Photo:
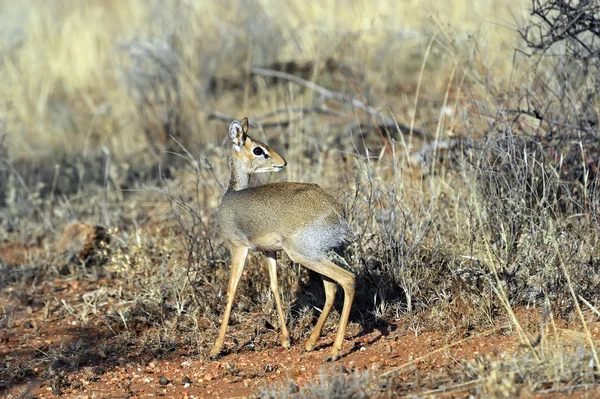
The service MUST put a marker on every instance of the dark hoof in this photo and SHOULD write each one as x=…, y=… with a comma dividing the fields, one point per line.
x=214, y=357
x=332, y=359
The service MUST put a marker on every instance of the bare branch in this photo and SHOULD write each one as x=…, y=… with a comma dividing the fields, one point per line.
x=330, y=94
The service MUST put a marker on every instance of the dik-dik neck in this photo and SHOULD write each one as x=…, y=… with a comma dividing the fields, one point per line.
x=239, y=177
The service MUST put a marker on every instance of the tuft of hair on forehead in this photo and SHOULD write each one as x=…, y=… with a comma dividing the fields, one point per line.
x=245, y=125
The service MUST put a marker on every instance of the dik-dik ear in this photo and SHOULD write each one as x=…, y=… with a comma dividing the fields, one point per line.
x=237, y=133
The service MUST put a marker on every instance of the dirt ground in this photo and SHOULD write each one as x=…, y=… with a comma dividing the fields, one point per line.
x=33, y=333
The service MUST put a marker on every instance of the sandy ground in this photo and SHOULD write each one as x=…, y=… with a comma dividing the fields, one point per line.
x=33, y=334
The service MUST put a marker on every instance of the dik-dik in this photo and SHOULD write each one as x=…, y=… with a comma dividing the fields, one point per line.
x=298, y=218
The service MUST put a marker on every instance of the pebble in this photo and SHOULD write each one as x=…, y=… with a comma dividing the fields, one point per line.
x=294, y=389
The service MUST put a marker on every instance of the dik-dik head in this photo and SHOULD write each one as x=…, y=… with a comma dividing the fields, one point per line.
x=252, y=155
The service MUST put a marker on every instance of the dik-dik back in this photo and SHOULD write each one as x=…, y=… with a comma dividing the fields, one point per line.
x=303, y=215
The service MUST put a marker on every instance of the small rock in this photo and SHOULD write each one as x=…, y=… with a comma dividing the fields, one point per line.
x=163, y=380
x=186, y=380
x=27, y=325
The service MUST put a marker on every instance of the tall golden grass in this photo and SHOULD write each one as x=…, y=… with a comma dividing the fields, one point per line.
x=62, y=61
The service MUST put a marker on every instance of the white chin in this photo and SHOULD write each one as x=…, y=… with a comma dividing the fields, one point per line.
x=268, y=170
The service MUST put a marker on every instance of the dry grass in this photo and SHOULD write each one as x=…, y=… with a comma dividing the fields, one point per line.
x=74, y=72
x=114, y=113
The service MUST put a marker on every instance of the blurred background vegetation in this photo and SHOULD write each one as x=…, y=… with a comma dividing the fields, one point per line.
x=77, y=73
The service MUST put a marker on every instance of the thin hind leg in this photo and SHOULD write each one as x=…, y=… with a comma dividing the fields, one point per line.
x=330, y=290
x=272, y=262
x=341, y=276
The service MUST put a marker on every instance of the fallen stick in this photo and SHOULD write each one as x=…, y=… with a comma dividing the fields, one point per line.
x=385, y=121
x=323, y=91
x=214, y=114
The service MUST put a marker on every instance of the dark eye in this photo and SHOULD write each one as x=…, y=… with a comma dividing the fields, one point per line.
x=258, y=151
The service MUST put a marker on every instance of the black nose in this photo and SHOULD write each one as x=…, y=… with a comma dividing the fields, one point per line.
x=284, y=163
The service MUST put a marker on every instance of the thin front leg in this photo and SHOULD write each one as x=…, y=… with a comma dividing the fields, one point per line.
x=272, y=262
x=238, y=259
x=330, y=290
